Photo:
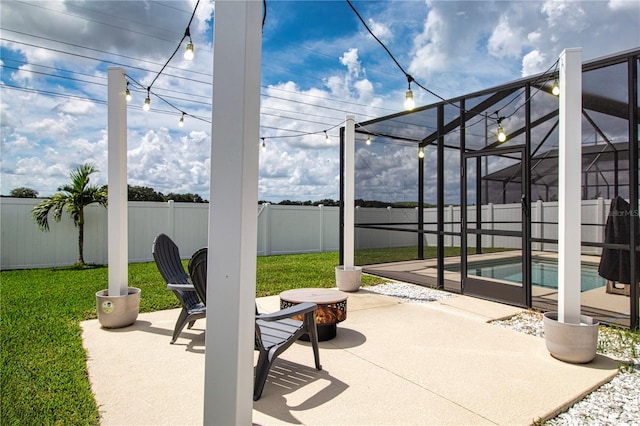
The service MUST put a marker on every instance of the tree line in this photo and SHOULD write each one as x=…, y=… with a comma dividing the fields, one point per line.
x=145, y=193
x=134, y=193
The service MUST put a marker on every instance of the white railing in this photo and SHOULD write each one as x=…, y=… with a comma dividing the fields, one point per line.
x=281, y=230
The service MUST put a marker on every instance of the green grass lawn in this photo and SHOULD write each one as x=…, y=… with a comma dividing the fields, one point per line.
x=44, y=377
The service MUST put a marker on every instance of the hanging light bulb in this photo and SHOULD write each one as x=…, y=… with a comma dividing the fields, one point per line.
x=263, y=146
x=326, y=137
x=368, y=142
x=501, y=135
x=147, y=103
x=188, y=53
x=421, y=152
x=127, y=93
x=409, y=103
x=181, y=122
x=555, y=89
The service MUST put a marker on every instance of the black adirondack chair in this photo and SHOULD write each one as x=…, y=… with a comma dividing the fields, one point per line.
x=274, y=333
x=167, y=257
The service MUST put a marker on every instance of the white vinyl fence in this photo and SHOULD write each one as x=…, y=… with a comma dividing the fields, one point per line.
x=281, y=230
x=594, y=216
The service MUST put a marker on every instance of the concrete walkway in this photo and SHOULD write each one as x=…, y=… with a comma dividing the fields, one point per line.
x=438, y=363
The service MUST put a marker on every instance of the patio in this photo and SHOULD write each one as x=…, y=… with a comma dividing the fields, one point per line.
x=604, y=307
x=391, y=363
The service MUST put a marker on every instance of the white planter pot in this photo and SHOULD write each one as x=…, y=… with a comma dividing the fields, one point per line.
x=575, y=343
x=118, y=311
x=348, y=279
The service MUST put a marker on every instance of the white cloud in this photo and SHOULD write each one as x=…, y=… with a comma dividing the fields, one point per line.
x=75, y=107
x=505, y=41
x=534, y=62
x=382, y=31
x=350, y=60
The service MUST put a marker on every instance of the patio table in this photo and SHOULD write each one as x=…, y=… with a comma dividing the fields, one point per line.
x=332, y=307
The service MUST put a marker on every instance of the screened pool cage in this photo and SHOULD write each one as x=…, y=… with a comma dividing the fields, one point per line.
x=429, y=179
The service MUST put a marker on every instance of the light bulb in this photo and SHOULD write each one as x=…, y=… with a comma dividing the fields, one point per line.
x=368, y=142
x=147, y=104
x=555, y=90
x=264, y=146
x=326, y=137
x=188, y=53
x=421, y=153
x=409, y=103
x=501, y=135
x=127, y=95
x=181, y=122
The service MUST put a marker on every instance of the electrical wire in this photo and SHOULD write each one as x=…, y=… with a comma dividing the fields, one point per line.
x=410, y=78
x=186, y=34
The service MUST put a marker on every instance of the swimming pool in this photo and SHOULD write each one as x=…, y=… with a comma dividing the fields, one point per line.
x=544, y=272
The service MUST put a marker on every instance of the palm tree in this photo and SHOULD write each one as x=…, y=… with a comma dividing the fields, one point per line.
x=74, y=198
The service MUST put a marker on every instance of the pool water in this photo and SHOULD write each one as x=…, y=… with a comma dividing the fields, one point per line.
x=544, y=273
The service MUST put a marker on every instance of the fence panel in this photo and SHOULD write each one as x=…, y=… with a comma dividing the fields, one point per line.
x=281, y=229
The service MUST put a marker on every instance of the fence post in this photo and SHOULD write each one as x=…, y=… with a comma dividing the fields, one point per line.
x=388, y=222
x=601, y=218
x=321, y=236
x=450, y=225
x=539, y=227
x=171, y=218
x=490, y=219
x=267, y=229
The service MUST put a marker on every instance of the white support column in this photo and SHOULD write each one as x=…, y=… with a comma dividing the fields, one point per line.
x=118, y=245
x=569, y=186
x=349, y=192
x=228, y=376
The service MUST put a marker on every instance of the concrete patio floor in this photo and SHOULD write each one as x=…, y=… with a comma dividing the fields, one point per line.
x=392, y=362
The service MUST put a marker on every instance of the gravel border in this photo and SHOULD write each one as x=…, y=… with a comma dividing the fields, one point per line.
x=616, y=403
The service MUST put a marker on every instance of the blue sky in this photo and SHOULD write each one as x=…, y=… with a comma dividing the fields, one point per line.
x=318, y=64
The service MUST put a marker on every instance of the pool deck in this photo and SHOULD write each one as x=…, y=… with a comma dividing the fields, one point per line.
x=392, y=363
x=597, y=303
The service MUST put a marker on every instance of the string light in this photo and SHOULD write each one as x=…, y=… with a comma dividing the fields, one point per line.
x=326, y=137
x=147, y=101
x=409, y=103
x=188, y=53
x=368, y=141
x=555, y=90
x=421, y=153
x=263, y=146
x=127, y=93
x=181, y=122
x=501, y=135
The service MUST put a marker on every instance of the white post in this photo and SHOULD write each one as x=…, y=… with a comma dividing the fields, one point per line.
x=171, y=218
x=601, y=218
x=569, y=181
x=118, y=250
x=349, y=191
x=321, y=224
x=233, y=223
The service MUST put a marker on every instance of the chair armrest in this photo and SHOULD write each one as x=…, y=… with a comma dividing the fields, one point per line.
x=183, y=287
x=292, y=311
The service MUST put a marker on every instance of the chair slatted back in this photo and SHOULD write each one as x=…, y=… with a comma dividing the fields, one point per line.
x=167, y=257
x=198, y=273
